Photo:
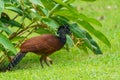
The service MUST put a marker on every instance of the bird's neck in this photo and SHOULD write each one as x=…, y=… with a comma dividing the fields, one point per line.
x=62, y=38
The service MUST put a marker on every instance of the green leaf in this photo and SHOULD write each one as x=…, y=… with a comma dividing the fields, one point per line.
x=18, y=38
x=87, y=26
x=91, y=20
x=70, y=1
x=34, y=16
x=88, y=41
x=77, y=32
x=94, y=21
x=4, y=28
x=50, y=22
x=56, y=8
x=4, y=18
x=7, y=1
x=96, y=33
x=62, y=2
x=15, y=23
x=10, y=22
x=89, y=0
x=42, y=11
x=96, y=48
x=1, y=48
x=36, y=2
x=67, y=14
x=15, y=9
x=1, y=6
x=48, y=6
x=6, y=43
x=102, y=37
x=42, y=31
x=71, y=8
x=69, y=42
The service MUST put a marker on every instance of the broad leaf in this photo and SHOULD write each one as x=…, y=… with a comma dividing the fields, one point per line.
x=60, y=20
x=71, y=8
x=96, y=33
x=33, y=15
x=36, y=2
x=69, y=42
x=89, y=0
x=67, y=14
x=6, y=43
x=42, y=11
x=4, y=18
x=91, y=20
x=62, y=3
x=48, y=6
x=2, y=48
x=4, y=28
x=18, y=38
x=15, y=23
x=15, y=9
x=50, y=22
x=42, y=31
x=87, y=26
x=70, y=15
x=69, y=1
x=77, y=32
x=1, y=6
x=102, y=37
x=96, y=48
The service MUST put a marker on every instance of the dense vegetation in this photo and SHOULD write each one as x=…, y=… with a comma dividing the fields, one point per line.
x=21, y=18
x=73, y=65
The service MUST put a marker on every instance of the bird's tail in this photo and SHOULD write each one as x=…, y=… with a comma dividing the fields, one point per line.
x=15, y=60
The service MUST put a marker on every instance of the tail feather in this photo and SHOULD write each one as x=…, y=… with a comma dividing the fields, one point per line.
x=15, y=60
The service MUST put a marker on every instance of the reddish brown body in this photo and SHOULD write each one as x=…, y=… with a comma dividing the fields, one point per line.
x=42, y=45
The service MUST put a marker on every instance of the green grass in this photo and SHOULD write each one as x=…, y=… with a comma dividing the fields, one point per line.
x=77, y=65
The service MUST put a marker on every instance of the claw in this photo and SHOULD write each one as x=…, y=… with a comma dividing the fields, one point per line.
x=46, y=59
x=50, y=60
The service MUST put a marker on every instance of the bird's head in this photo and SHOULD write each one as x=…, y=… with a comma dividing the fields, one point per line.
x=64, y=29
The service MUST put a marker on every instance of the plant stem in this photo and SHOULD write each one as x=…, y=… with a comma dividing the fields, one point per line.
x=16, y=34
x=25, y=37
x=26, y=28
x=11, y=19
x=53, y=9
x=57, y=6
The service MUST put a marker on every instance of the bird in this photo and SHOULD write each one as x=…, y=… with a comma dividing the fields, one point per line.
x=43, y=45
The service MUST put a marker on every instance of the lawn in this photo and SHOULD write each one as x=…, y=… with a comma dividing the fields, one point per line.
x=76, y=64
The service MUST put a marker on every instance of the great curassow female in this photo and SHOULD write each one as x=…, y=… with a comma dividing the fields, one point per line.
x=43, y=45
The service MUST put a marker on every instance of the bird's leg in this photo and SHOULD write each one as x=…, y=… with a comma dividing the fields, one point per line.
x=46, y=59
x=41, y=61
